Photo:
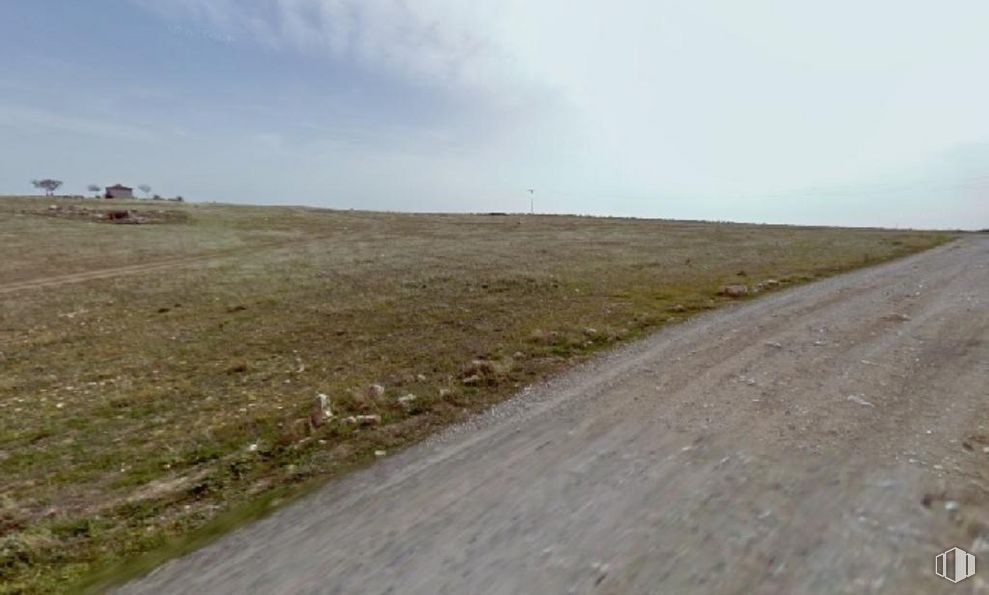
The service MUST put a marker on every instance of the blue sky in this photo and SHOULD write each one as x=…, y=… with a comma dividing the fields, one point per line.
x=843, y=112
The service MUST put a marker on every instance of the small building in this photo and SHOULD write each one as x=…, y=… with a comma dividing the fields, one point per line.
x=119, y=191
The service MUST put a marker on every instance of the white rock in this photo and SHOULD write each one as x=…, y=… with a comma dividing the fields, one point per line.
x=859, y=400
x=321, y=411
x=735, y=291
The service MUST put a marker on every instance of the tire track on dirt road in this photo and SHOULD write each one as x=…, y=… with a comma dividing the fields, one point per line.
x=148, y=267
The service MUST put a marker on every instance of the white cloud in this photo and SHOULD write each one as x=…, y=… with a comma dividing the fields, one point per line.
x=659, y=97
x=25, y=119
x=433, y=41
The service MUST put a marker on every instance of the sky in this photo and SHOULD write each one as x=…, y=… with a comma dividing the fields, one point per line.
x=837, y=113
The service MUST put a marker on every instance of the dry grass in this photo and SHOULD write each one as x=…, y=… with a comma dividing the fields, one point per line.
x=139, y=408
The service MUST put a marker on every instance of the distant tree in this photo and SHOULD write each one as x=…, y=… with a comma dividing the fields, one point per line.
x=48, y=185
x=95, y=189
x=145, y=189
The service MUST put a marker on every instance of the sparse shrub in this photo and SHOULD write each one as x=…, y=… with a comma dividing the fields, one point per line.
x=237, y=368
x=74, y=527
x=541, y=337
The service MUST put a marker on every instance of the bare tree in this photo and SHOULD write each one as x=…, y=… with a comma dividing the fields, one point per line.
x=145, y=189
x=48, y=185
x=95, y=189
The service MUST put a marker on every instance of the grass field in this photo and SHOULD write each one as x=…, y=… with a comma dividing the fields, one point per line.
x=169, y=395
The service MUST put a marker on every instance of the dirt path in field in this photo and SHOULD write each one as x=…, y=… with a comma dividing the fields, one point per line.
x=825, y=439
x=144, y=267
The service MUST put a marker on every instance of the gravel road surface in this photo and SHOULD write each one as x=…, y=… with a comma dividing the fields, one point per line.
x=831, y=438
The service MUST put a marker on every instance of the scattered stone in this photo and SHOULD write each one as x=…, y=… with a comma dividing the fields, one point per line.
x=421, y=377
x=484, y=368
x=896, y=317
x=252, y=447
x=981, y=544
x=472, y=380
x=130, y=217
x=590, y=332
x=951, y=506
x=771, y=283
x=859, y=400
x=380, y=453
x=406, y=399
x=735, y=290
x=374, y=391
x=678, y=308
x=321, y=412
x=602, y=572
x=774, y=344
x=367, y=420
x=819, y=343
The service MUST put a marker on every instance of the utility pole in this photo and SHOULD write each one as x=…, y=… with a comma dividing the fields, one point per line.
x=532, y=203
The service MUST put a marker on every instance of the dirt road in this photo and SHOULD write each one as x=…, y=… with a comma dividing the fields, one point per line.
x=828, y=439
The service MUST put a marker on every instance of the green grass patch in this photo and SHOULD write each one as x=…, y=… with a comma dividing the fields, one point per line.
x=143, y=415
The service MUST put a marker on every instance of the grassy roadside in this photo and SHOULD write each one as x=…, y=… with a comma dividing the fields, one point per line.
x=148, y=413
